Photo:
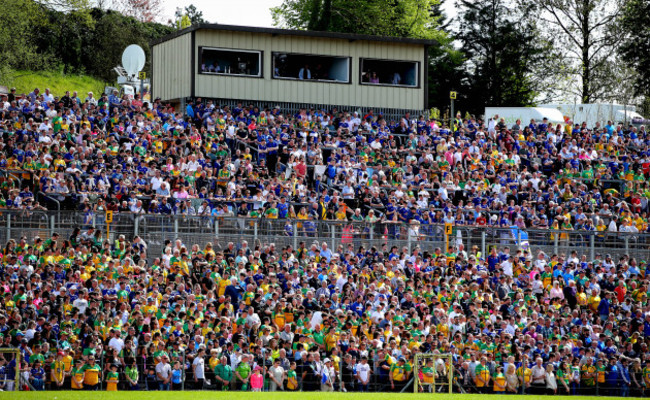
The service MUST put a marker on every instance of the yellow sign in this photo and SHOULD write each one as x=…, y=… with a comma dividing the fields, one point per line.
x=109, y=216
x=452, y=95
x=449, y=228
x=143, y=75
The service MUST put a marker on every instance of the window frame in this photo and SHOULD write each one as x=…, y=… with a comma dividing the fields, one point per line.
x=418, y=77
x=283, y=78
x=260, y=53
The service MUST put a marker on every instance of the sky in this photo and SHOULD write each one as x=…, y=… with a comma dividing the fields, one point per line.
x=229, y=12
x=243, y=12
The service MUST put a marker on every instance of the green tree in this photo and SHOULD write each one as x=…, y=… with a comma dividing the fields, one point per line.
x=194, y=14
x=635, y=48
x=18, y=38
x=588, y=33
x=502, y=49
x=402, y=18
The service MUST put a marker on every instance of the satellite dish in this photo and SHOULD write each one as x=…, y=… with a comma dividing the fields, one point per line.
x=133, y=60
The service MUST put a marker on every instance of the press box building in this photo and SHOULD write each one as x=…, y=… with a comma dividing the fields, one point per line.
x=290, y=68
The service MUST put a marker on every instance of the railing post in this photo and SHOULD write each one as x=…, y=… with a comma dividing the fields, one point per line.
x=555, y=242
x=183, y=373
x=482, y=242
x=295, y=235
x=175, y=228
x=8, y=227
x=518, y=239
x=627, y=244
x=592, y=240
x=255, y=231
x=372, y=231
x=136, y=225
x=333, y=236
x=52, y=223
x=216, y=227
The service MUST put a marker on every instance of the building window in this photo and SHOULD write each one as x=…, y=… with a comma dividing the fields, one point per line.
x=309, y=67
x=389, y=73
x=231, y=62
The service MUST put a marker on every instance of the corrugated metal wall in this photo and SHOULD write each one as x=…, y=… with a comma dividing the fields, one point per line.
x=274, y=90
x=172, y=67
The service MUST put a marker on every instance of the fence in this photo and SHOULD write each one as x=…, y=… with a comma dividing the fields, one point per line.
x=155, y=229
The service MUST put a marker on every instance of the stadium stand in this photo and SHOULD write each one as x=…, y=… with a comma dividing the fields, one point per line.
x=96, y=312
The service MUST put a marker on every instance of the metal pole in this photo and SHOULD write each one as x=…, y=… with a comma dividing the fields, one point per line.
x=216, y=227
x=175, y=228
x=627, y=245
x=52, y=223
x=255, y=231
x=17, y=369
x=183, y=373
x=333, y=234
x=295, y=235
x=482, y=243
x=555, y=244
x=591, y=246
x=451, y=375
x=9, y=228
x=452, y=116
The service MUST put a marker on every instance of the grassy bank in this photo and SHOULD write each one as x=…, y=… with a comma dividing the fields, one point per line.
x=26, y=81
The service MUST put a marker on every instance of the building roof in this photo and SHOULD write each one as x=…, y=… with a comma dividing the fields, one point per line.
x=293, y=32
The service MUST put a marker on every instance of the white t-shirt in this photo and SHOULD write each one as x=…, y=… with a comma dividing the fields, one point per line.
x=164, y=370
x=363, y=370
x=199, y=367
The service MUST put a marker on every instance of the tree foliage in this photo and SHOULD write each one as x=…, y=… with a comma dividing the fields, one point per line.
x=502, y=51
x=195, y=15
x=18, y=48
x=635, y=47
x=588, y=32
x=142, y=10
x=402, y=18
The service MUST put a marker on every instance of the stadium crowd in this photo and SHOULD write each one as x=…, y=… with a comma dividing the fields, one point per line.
x=112, y=153
x=91, y=313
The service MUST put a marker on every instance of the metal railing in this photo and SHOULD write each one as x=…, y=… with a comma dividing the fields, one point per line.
x=155, y=229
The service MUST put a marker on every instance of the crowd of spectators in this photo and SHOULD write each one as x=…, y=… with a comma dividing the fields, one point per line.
x=85, y=313
x=91, y=313
x=126, y=155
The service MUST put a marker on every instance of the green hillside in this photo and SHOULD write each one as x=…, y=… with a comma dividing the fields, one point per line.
x=26, y=81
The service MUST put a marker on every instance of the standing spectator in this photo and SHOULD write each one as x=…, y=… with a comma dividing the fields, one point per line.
x=58, y=372
x=551, y=381
x=512, y=380
x=77, y=375
x=242, y=373
x=363, y=374
x=92, y=374
x=538, y=383
x=276, y=376
x=37, y=376
x=131, y=373
x=198, y=368
x=163, y=373
x=257, y=379
x=223, y=374
x=177, y=376
x=112, y=379
x=328, y=376
x=483, y=376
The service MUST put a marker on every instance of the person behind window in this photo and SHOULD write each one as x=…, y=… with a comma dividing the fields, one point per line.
x=374, y=78
x=397, y=78
x=305, y=72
